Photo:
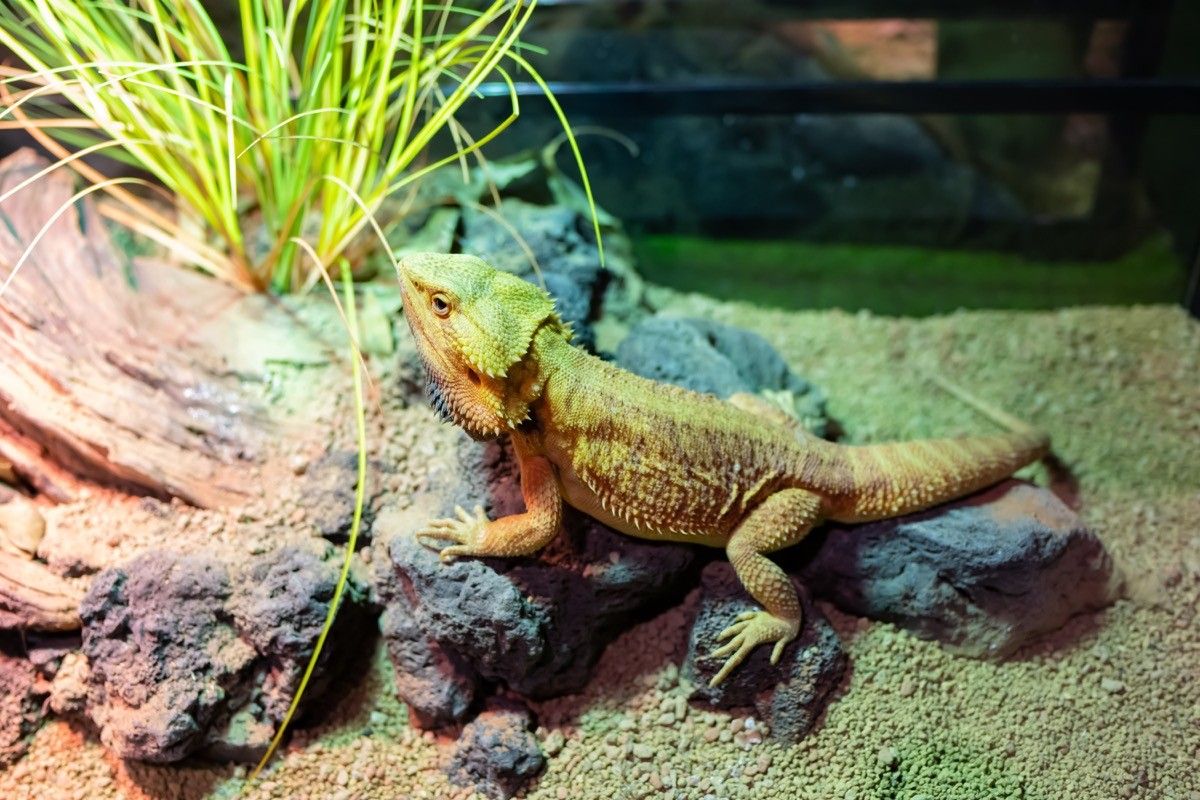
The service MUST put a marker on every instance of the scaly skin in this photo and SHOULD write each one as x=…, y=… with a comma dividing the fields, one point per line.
x=653, y=460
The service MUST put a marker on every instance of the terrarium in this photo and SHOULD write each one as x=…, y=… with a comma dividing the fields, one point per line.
x=583, y=399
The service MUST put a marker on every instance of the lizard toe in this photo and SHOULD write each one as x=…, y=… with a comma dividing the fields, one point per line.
x=449, y=555
x=732, y=630
x=739, y=652
x=759, y=627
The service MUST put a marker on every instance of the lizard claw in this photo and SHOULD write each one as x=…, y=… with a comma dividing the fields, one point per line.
x=464, y=530
x=751, y=629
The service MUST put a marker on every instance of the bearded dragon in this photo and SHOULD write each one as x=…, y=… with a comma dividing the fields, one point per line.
x=653, y=460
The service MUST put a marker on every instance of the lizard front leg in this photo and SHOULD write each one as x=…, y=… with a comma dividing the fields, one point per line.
x=782, y=520
x=515, y=535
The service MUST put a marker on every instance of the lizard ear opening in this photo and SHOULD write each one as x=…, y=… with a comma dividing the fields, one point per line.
x=495, y=332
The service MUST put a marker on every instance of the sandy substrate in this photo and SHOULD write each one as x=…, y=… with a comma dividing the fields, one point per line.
x=1109, y=708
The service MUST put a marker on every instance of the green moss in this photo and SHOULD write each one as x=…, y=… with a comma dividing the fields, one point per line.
x=904, y=280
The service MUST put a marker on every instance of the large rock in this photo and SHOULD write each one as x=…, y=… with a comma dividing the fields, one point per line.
x=497, y=753
x=790, y=695
x=536, y=625
x=187, y=652
x=983, y=575
x=718, y=359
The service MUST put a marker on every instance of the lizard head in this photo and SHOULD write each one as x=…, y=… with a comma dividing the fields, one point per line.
x=474, y=325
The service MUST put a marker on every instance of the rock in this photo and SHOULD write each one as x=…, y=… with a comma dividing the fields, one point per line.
x=790, y=695
x=22, y=526
x=327, y=496
x=21, y=708
x=497, y=753
x=983, y=575
x=177, y=648
x=47, y=651
x=279, y=606
x=537, y=624
x=718, y=359
x=438, y=685
x=162, y=653
x=69, y=688
x=559, y=238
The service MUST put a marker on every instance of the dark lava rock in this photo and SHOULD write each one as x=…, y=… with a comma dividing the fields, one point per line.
x=790, y=695
x=279, y=606
x=560, y=239
x=327, y=496
x=718, y=359
x=562, y=242
x=496, y=753
x=536, y=624
x=436, y=683
x=162, y=652
x=179, y=646
x=983, y=575
x=21, y=708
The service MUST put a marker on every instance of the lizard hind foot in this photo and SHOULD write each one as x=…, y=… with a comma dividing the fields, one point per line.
x=751, y=629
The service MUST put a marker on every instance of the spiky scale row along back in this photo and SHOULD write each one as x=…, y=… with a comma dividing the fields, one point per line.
x=657, y=461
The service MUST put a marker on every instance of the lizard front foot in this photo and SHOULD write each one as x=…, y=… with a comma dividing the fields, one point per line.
x=751, y=629
x=465, y=530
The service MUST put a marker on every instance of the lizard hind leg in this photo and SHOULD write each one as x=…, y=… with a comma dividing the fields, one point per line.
x=782, y=520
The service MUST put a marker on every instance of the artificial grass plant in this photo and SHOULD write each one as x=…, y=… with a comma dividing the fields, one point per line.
x=327, y=112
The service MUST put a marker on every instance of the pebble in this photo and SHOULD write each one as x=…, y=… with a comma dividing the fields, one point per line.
x=21, y=525
x=554, y=743
x=887, y=756
x=643, y=752
x=1112, y=685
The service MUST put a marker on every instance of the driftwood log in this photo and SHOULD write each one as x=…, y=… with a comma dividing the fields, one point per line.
x=34, y=598
x=106, y=372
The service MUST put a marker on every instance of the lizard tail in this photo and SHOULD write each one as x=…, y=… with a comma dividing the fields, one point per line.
x=888, y=480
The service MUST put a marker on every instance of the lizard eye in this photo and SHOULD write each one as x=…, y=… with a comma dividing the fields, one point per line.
x=441, y=304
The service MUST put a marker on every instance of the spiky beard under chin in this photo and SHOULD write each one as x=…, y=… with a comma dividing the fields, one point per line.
x=448, y=407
